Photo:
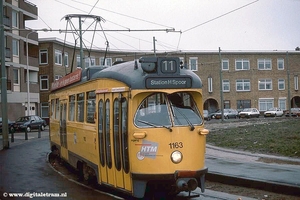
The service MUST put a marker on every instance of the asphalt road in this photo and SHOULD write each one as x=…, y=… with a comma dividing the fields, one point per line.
x=24, y=170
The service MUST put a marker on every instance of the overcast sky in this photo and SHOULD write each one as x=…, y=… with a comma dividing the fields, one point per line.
x=199, y=24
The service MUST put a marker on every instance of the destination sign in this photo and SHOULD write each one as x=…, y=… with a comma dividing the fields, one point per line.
x=168, y=82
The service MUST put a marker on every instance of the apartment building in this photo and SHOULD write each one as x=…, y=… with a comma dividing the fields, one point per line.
x=249, y=79
x=260, y=79
x=21, y=64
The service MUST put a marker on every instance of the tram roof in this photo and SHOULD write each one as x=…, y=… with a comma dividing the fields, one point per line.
x=132, y=74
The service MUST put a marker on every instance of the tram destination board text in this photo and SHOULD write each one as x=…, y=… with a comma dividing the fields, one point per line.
x=164, y=82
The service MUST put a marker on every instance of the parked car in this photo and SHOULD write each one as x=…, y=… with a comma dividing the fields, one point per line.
x=273, y=112
x=295, y=112
x=249, y=112
x=29, y=122
x=228, y=113
x=11, y=128
x=206, y=115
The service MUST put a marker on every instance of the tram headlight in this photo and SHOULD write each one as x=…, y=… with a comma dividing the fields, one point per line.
x=176, y=157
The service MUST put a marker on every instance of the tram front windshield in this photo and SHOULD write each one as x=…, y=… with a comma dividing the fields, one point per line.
x=166, y=110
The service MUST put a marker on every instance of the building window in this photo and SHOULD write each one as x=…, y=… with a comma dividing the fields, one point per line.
x=44, y=110
x=264, y=64
x=296, y=82
x=265, y=84
x=281, y=84
x=282, y=103
x=226, y=104
x=241, y=104
x=43, y=56
x=44, y=82
x=66, y=59
x=265, y=104
x=56, y=77
x=16, y=77
x=16, y=80
x=193, y=63
x=78, y=61
x=89, y=61
x=108, y=61
x=15, y=19
x=242, y=64
x=226, y=86
x=280, y=64
x=243, y=85
x=225, y=64
x=210, y=86
x=15, y=46
x=58, y=57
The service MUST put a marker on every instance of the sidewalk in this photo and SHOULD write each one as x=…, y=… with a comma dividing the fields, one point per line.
x=281, y=173
x=19, y=137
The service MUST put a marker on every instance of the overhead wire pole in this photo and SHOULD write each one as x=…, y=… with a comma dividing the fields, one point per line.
x=3, y=83
x=221, y=86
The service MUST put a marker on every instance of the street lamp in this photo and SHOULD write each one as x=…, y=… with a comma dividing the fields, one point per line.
x=27, y=67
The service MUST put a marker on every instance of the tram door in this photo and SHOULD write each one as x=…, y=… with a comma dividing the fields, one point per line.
x=63, y=127
x=111, y=125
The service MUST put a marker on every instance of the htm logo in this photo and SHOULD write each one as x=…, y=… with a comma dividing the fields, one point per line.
x=148, y=149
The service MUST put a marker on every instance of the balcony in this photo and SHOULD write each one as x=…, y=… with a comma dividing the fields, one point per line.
x=30, y=10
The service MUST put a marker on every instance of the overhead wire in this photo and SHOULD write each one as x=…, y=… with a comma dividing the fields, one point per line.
x=220, y=16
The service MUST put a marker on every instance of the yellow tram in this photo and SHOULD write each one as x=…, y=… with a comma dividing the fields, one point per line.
x=136, y=126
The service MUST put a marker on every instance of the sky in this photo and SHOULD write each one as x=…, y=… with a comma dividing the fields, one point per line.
x=174, y=25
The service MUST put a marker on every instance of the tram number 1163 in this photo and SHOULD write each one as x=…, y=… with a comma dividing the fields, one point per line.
x=176, y=145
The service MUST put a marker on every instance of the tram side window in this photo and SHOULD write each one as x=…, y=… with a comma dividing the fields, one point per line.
x=72, y=108
x=116, y=133
x=52, y=108
x=124, y=136
x=107, y=134
x=100, y=129
x=91, y=107
x=57, y=109
x=80, y=107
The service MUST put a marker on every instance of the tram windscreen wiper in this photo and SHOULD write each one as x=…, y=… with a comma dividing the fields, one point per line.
x=155, y=126
x=183, y=115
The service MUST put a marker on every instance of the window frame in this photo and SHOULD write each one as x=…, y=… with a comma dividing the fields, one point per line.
x=281, y=82
x=44, y=78
x=280, y=61
x=58, y=57
x=43, y=53
x=226, y=82
x=244, y=83
x=265, y=103
x=266, y=64
x=193, y=66
x=243, y=62
x=265, y=83
x=225, y=61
